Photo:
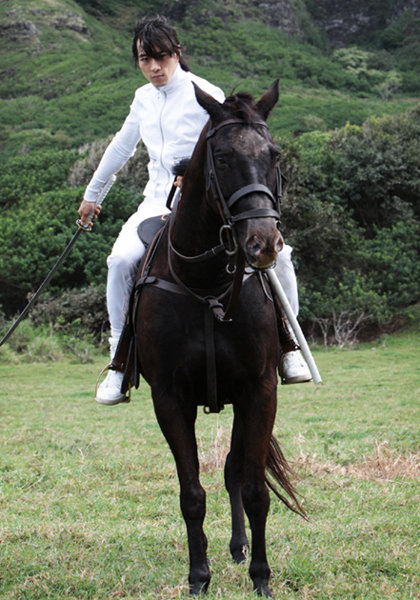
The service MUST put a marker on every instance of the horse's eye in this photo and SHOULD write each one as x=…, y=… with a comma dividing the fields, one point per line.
x=221, y=160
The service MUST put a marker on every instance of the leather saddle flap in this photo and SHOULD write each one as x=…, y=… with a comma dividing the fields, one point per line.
x=148, y=228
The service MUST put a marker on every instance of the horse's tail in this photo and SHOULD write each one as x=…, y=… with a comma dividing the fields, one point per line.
x=279, y=470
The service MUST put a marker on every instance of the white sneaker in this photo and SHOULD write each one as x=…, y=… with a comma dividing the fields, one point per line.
x=293, y=368
x=109, y=391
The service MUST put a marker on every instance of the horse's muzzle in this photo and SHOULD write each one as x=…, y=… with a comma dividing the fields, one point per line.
x=261, y=251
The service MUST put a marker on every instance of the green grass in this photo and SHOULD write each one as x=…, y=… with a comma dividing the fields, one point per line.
x=89, y=494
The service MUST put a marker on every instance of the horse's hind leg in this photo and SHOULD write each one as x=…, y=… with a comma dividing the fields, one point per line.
x=233, y=480
x=178, y=429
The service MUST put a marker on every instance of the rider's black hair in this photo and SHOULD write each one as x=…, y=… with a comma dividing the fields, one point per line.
x=157, y=35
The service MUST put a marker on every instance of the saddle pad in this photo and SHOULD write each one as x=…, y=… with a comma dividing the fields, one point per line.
x=149, y=228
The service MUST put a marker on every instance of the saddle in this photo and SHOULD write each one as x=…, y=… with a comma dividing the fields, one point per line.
x=149, y=228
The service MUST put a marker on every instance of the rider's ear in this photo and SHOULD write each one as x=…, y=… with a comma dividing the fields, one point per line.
x=266, y=103
x=210, y=104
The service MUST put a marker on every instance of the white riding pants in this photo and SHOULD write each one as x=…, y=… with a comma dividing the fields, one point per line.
x=127, y=252
x=122, y=263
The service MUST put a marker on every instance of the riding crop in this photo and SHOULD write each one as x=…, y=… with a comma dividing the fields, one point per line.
x=280, y=294
x=65, y=253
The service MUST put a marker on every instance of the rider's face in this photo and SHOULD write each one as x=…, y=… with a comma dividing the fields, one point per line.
x=159, y=69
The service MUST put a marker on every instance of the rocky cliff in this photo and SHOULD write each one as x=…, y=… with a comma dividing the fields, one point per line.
x=25, y=24
x=342, y=21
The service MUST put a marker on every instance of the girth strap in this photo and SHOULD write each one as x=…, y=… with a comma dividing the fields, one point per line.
x=211, y=370
x=163, y=284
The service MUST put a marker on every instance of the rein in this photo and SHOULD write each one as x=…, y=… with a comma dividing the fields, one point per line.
x=214, y=302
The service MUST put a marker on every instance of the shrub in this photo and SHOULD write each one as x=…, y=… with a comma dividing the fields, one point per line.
x=352, y=214
x=31, y=343
x=35, y=234
x=77, y=313
x=345, y=305
x=24, y=177
x=41, y=343
x=391, y=260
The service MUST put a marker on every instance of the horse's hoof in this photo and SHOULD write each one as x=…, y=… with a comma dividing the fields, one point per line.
x=263, y=590
x=239, y=558
x=198, y=590
x=240, y=554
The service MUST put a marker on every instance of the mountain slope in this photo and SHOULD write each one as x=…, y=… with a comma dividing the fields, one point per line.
x=66, y=83
x=67, y=76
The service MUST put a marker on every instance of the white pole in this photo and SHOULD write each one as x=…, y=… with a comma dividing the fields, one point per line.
x=278, y=290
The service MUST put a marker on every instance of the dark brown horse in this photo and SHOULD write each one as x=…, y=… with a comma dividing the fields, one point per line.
x=191, y=352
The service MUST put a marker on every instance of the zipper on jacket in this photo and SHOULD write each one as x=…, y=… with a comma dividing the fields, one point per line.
x=162, y=136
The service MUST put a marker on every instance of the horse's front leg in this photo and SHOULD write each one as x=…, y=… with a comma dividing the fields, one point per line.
x=258, y=419
x=178, y=429
x=239, y=544
x=256, y=502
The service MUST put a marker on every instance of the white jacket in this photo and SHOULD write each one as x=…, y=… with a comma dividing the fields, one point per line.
x=168, y=120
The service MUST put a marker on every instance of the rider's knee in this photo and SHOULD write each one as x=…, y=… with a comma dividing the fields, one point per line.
x=122, y=265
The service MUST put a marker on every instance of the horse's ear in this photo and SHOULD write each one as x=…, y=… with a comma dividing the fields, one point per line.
x=210, y=104
x=266, y=103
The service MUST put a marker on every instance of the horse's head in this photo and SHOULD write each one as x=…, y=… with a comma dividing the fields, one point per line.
x=243, y=178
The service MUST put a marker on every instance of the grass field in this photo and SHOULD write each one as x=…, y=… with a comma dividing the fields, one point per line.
x=89, y=494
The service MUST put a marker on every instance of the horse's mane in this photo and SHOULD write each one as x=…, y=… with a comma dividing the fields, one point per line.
x=242, y=106
x=180, y=167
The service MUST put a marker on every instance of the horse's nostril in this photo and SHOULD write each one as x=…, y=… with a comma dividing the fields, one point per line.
x=253, y=246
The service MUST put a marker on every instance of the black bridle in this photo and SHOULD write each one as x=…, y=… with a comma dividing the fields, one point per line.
x=227, y=234
x=227, y=204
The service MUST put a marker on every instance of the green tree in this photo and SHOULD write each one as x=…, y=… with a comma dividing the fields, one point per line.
x=352, y=214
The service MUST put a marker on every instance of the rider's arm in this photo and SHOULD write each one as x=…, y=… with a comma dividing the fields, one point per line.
x=121, y=148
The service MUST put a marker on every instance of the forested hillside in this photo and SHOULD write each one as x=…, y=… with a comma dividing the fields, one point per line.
x=347, y=122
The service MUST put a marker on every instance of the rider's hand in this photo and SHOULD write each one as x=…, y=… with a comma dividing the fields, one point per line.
x=88, y=212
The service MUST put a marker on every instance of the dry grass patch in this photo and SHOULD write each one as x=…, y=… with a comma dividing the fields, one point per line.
x=383, y=463
x=214, y=456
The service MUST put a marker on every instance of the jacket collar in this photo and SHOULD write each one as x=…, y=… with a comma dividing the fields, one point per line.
x=178, y=78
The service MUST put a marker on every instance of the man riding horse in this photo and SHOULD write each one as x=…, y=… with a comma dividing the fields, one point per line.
x=166, y=116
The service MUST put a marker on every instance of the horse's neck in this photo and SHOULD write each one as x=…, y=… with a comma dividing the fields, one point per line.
x=196, y=224
x=196, y=231
x=196, y=227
